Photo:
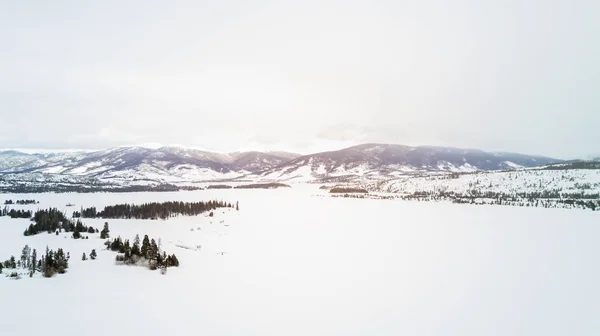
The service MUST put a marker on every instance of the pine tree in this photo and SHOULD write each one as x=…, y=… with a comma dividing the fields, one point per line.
x=25, y=256
x=12, y=262
x=83, y=257
x=174, y=260
x=104, y=234
x=135, y=249
x=61, y=263
x=33, y=261
x=145, y=247
x=237, y=206
x=153, y=250
x=93, y=255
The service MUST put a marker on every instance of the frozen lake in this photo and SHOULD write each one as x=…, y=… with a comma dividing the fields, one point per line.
x=298, y=264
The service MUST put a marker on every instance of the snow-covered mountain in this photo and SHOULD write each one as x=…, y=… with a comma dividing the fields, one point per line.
x=179, y=164
x=384, y=160
x=165, y=164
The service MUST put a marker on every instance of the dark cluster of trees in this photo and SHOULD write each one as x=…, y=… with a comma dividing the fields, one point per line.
x=19, y=187
x=49, y=264
x=12, y=213
x=347, y=190
x=543, y=199
x=146, y=251
x=219, y=186
x=53, y=220
x=20, y=202
x=263, y=186
x=363, y=196
x=154, y=210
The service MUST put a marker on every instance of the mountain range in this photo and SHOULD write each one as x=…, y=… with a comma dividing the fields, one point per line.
x=172, y=164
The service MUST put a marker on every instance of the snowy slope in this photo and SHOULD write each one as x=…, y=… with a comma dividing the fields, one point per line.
x=159, y=165
x=586, y=181
x=387, y=160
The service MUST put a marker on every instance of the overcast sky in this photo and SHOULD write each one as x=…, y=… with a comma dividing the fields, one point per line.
x=503, y=75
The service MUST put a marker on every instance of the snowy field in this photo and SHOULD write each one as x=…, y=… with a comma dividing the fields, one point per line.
x=586, y=181
x=295, y=264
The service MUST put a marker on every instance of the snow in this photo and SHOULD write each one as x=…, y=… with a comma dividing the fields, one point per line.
x=53, y=170
x=513, y=165
x=295, y=264
x=585, y=181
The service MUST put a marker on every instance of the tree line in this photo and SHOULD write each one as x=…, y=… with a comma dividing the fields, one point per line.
x=12, y=213
x=19, y=187
x=20, y=202
x=152, y=210
x=53, y=220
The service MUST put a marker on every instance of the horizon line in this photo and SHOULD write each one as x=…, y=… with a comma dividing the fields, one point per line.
x=152, y=145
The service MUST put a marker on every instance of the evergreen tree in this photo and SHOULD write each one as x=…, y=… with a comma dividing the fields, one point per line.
x=135, y=249
x=104, y=234
x=25, y=256
x=93, y=255
x=83, y=257
x=61, y=263
x=153, y=250
x=12, y=263
x=34, y=261
x=174, y=261
x=145, y=246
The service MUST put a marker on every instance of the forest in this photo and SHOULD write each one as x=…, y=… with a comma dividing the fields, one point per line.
x=12, y=213
x=20, y=202
x=262, y=186
x=18, y=187
x=152, y=210
x=49, y=264
x=53, y=220
x=146, y=252
x=346, y=190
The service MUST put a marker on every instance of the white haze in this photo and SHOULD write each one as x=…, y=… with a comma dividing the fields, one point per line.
x=304, y=76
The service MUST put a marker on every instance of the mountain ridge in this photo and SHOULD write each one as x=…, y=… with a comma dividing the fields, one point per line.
x=176, y=163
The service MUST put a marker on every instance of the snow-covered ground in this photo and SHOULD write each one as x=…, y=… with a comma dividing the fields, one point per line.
x=522, y=181
x=295, y=264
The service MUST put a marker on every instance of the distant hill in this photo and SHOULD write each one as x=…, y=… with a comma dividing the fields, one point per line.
x=179, y=164
x=389, y=160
